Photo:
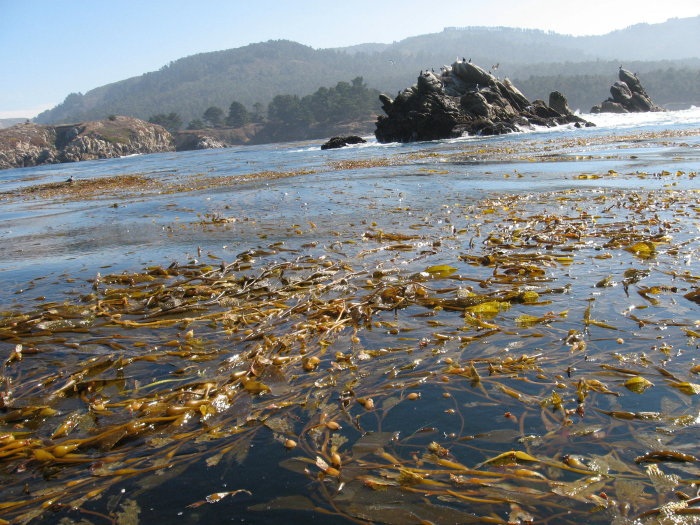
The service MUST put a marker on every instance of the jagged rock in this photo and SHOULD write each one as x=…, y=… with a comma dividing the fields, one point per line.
x=543, y=111
x=341, y=142
x=33, y=144
x=463, y=99
x=558, y=102
x=628, y=96
x=632, y=81
x=476, y=104
x=621, y=93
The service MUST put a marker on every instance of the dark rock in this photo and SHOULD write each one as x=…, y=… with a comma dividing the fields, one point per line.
x=476, y=104
x=621, y=93
x=558, y=102
x=341, y=142
x=643, y=103
x=632, y=81
x=628, y=96
x=464, y=99
x=543, y=111
x=387, y=103
x=608, y=106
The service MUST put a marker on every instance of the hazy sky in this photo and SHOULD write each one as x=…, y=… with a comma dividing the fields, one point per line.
x=50, y=48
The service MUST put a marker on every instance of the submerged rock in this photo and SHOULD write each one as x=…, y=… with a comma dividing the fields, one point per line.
x=628, y=96
x=341, y=142
x=34, y=144
x=463, y=99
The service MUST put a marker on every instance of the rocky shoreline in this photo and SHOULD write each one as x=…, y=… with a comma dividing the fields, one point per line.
x=462, y=99
x=25, y=145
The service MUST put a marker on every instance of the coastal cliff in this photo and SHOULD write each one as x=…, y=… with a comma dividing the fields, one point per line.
x=25, y=145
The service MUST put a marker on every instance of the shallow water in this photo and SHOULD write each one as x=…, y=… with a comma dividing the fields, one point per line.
x=89, y=234
x=443, y=202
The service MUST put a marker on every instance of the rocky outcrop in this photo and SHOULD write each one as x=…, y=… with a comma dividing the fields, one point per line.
x=195, y=141
x=628, y=96
x=341, y=142
x=558, y=102
x=462, y=99
x=29, y=144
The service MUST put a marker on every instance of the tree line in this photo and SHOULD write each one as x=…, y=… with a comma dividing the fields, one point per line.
x=258, y=72
x=672, y=88
x=354, y=101
x=345, y=102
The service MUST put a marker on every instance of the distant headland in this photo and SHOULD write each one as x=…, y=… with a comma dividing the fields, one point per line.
x=28, y=144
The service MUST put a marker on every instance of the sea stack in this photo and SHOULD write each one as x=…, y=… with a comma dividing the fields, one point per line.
x=463, y=99
x=628, y=96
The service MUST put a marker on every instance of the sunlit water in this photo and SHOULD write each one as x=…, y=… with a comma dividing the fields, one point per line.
x=43, y=243
x=81, y=236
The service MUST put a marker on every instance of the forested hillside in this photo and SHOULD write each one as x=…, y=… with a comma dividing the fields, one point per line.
x=537, y=61
x=671, y=85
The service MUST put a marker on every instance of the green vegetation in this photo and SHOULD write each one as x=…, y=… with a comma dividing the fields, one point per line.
x=114, y=132
x=290, y=117
x=195, y=124
x=172, y=121
x=671, y=87
x=238, y=115
x=583, y=68
x=213, y=116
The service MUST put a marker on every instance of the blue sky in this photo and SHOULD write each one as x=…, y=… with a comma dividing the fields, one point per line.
x=50, y=48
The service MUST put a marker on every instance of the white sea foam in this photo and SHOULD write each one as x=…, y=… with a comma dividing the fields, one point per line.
x=686, y=117
x=635, y=120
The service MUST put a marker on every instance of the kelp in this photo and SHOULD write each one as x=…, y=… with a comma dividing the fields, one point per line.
x=476, y=373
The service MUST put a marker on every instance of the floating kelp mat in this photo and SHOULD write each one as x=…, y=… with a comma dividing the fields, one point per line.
x=579, y=147
x=137, y=185
x=530, y=358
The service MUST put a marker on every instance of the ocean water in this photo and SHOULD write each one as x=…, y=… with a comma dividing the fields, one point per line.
x=83, y=235
x=381, y=213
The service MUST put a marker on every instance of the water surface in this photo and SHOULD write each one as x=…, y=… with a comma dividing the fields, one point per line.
x=502, y=302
